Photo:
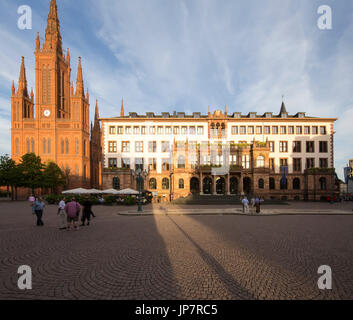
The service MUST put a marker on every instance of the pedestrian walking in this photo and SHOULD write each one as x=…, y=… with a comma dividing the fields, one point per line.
x=62, y=214
x=87, y=212
x=258, y=205
x=245, y=203
x=31, y=200
x=38, y=210
x=252, y=205
x=72, y=209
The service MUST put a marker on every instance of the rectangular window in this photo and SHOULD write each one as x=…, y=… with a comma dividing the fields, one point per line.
x=176, y=130
x=235, y=130
x=152, y=130
x=113, y=163
x=314, y=130
x=160, y=130
x=310, y=163
x=139, y=164
x=125, y=146
x=137, y=130
x=200, y=130
x=290, y=130
x=192, y=130
x=128, y=130
x=112, y=130
x=272, y=146
x=165, y=164
x=246, y=161
x=283, y=146
x=125, y=162
x=323, y=130
x=283, y=130
x=323, y=146
x=274, y=130
x=299, y=130
x=283, y=162
x=152, y=164
x=267, y=129
x=184, y=130
x=120, y=130
x=310, y=147
x=251, y=130
x=112, y=147
x=165, y=146
x=168, y=130
x=242, y=130
x=258, y=130
x=143, y=130
x=152, y=146
x=323, y=163
x=297, y=146
x=297, y=164
x=139, y=146
x=306, y=130
x=272, y=163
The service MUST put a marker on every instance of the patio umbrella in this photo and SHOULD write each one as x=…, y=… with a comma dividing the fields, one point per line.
x=110, y=191
x=128, y=192
x=94, y=191
x=76, y=191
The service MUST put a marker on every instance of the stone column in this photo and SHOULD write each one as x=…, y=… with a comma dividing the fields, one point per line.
x=214, y=184
x=228, y=184
x=201, y=183
x=241, y=184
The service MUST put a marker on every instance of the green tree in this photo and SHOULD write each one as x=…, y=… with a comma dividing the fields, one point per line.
x=9, y=174
x=53, y=177
x=31, y=170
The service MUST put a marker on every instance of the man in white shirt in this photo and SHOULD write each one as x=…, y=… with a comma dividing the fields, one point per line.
x=62, y=214
x=245, y=203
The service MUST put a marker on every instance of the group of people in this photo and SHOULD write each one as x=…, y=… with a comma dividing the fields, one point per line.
x=253, y=206
x=68, y=213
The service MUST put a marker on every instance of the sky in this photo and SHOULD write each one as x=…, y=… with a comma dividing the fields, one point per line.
x=183, y=55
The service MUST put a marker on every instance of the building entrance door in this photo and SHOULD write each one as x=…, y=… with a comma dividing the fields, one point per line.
x=221, y=185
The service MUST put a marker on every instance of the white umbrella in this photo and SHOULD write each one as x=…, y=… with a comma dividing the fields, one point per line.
x=109, y=191
x=128, y=192
x=94, y=191
x=76, y=191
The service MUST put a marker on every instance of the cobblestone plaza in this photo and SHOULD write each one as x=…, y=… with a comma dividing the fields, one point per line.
x=171, y=256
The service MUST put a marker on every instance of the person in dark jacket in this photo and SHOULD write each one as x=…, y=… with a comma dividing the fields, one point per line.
x=87, y=212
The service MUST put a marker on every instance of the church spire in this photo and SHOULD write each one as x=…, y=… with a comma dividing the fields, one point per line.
x=122, y=112
x=96, y=115
x=52, y=33
x=283, y=107
x=13, y=89
x=79, y=81
x=22, y=82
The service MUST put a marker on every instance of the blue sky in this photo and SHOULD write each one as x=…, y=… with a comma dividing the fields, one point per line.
x=165, y=55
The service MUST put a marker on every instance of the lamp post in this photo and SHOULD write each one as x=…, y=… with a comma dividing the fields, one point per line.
x=140, y=176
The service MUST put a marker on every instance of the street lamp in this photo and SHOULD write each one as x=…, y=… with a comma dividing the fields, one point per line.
x=140, y=176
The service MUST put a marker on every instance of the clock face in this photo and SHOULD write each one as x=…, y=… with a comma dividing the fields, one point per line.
x=46, y=113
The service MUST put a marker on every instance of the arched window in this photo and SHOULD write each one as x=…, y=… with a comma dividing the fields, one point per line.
x=62, y=144
x=84, y=172
x=153, y=184
x=284, y=184
x=181, y=184
x=296, y=184
x=32, y=145
x=261, y=184
x=272, y=184
x=323, y=184
x=49, y=146
x=84, y=147
x=28, y=146
x=77, y=146
x=165, y=184
x=181, y=162
x=260, y=162
x=44, y=146
x=17, y=146
x=116, y=183
x=67, y=146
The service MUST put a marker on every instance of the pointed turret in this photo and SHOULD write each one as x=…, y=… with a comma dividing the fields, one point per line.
x=96, y=114
x=13, y=89
x=283, y=108
x=122, y=112
x=226, y=110
x=87, y=95
x=37, y=42
x=68, y=58
x=79, y=81
x=32, y=95
x=22, y=82
x=52, y=33
x=209, y=110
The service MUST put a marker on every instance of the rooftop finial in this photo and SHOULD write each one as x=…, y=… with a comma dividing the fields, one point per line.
x=122, y=111
x=79, y=79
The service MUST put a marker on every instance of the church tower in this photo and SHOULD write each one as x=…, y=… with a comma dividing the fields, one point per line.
x=58, y=128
